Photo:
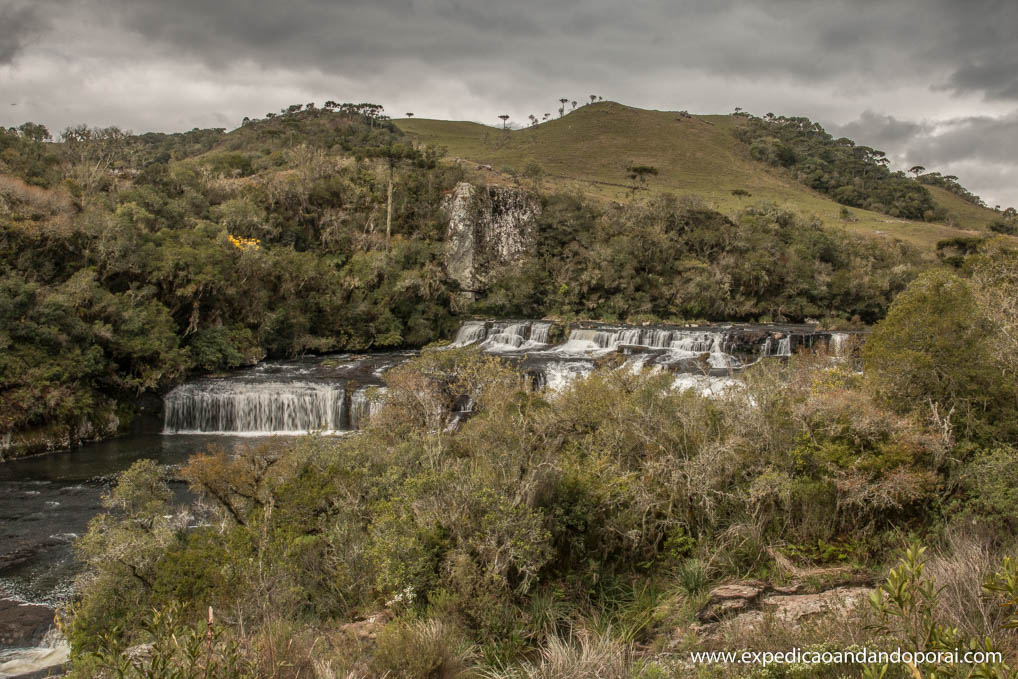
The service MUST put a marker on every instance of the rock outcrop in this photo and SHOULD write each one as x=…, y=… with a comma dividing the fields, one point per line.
x=489, y=227
x=747, y=604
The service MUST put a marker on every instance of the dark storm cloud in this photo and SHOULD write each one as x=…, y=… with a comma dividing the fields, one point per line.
x=19, y=24
x=168, y=63
x=960, y=46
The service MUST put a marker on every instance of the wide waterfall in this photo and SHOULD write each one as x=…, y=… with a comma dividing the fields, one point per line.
x=340, y=393
x=224, y=406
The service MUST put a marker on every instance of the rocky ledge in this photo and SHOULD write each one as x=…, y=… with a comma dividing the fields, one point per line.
x=749, y=602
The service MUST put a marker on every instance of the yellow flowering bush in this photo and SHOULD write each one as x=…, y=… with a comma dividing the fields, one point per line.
x=244, y=243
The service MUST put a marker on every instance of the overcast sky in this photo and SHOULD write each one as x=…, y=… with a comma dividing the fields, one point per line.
x=932, y=82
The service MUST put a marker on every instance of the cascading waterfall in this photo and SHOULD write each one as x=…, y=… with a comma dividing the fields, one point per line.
x=470, y=332
x=237, y=407
x=504, y=336
x=341, y=393
x=364, y=404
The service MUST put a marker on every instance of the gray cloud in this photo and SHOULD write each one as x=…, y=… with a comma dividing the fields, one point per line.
x=153, y=64
x=981, y=150
x=19, y=25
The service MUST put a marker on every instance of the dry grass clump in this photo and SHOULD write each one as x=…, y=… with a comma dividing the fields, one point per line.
x=29, y=201
x=959, y=569
x=585, y=656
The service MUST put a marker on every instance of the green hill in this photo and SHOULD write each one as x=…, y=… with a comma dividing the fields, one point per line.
x=588, y=150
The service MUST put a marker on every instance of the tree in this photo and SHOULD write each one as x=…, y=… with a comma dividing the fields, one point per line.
x=936, y=349
x=409, y=114
x=533, y=119
x=573, y=105
x=562, y=110
x=35, y=132
x=394, y=155
x=93, y=151
x=505, y=119
x=917, y=170
x=546, y=116
x=593, y=97
x=638, y=175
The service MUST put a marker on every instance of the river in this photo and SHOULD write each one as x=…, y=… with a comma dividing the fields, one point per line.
x=47, y=501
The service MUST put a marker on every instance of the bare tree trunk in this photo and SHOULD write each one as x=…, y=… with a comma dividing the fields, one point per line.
x=388, y=212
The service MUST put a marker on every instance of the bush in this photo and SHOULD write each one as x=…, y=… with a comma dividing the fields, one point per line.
x=934, y=349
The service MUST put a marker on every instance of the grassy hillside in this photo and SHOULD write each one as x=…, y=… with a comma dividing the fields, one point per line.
x=589, y=149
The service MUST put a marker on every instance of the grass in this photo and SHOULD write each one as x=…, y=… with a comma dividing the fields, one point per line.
x=587, y=151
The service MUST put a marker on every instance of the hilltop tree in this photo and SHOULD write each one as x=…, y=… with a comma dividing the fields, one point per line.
x=562, y=110
x=573, y=105
x=330, y=104
x=917, y=170
x=547, y=115
x=593, y=97
x=533, y=119
x=409, y=114
x=505, y=120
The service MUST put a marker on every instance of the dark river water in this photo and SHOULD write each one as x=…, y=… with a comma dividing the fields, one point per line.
x=48, y=500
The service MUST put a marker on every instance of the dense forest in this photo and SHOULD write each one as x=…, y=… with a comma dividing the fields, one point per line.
x=580, y=533
x=130, y=261
x=535, y=533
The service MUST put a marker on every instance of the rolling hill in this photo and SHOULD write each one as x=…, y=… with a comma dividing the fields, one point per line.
x=588, y=150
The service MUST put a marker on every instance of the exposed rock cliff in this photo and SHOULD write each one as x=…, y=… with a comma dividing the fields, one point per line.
x=489, y=227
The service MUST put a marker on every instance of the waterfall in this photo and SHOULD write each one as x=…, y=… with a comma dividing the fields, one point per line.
x=51, y=652
x=506, y=337
x=558, y=374
x=239, y=407
x=784, y=346
x=836, y=345
x=364, y=404
x=470, y=332
x=539, y=332
x=706, y=385
x=503, y=337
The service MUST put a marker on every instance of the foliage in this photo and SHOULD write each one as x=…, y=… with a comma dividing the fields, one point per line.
x=851, y=174
x=937, y=349
x=541, y=509
x=676, y=258
x=160, y=255
x=907, y=605
x=949, y=182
